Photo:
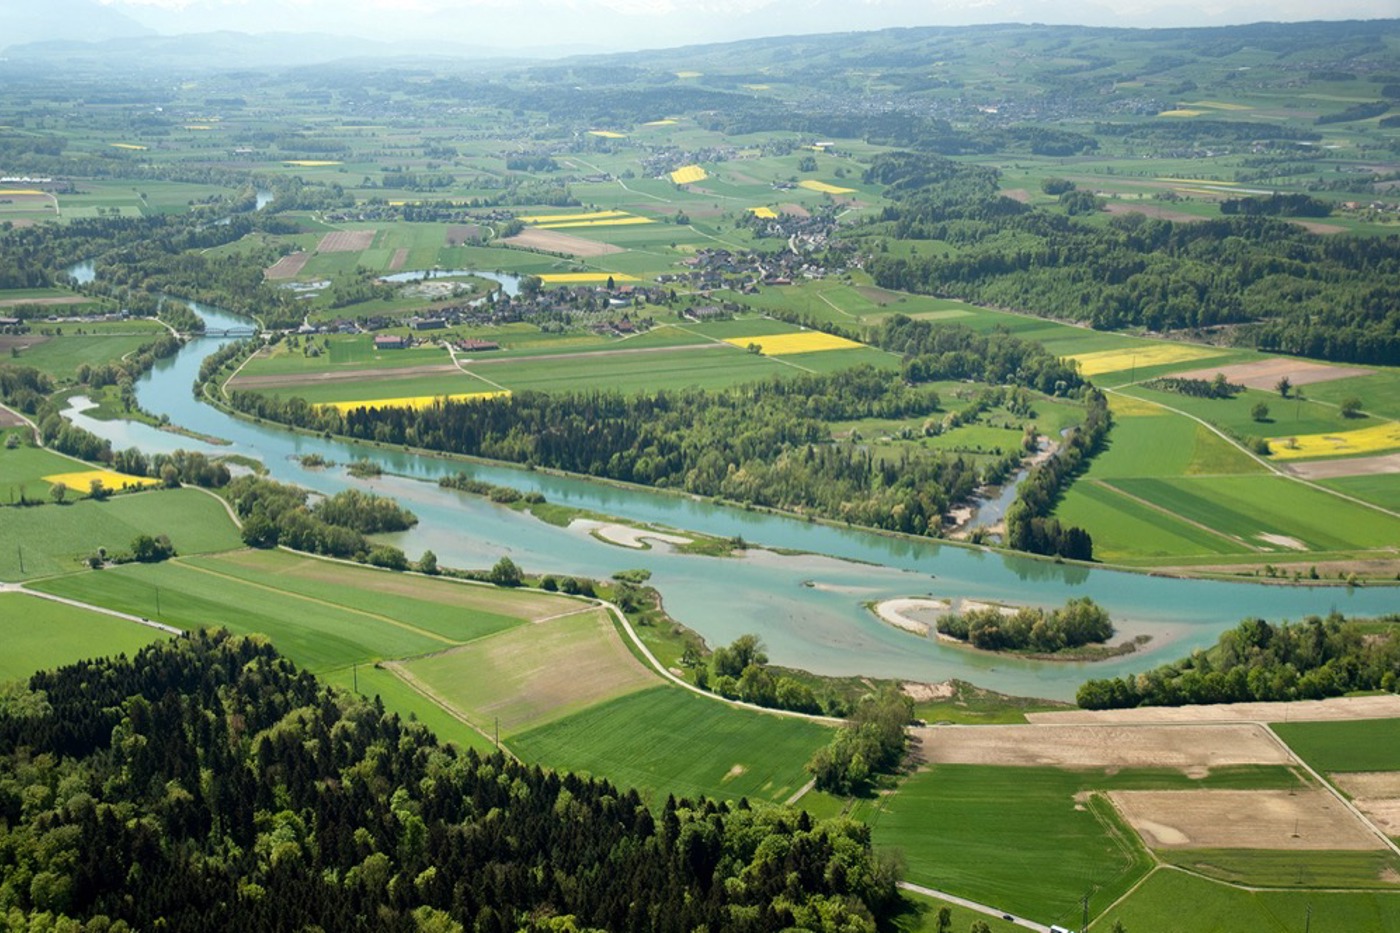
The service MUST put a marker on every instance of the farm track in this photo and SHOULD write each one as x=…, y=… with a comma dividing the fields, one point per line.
x=288, y=380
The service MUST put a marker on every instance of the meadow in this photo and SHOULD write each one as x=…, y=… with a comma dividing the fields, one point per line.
x=39, y=634
x=1366, y=745
x=60, y=355
x=57, y=539
x=669, y=740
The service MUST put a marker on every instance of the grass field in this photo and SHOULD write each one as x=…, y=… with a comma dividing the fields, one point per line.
x=639, y=372
x=534, y=674
x=100, y=342
x=1369, y=745
x=56, y=538
x=1271, y=868
x=1171, y=901
x=39, y=634
x=667, y=740
x=397, y=696
x=1015, y=838
x=22, y=471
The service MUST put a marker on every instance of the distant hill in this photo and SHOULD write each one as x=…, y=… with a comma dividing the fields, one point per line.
x=70, y=20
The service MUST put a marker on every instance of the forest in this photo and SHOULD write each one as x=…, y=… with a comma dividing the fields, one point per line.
x=767, y=443
x=209, y=784
x=1259, y=660
x=1283, y=288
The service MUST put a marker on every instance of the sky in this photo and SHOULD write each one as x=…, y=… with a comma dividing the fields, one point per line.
x=619, y=25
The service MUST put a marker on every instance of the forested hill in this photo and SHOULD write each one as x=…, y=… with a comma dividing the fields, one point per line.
x=207, y=784
x=1276, y=285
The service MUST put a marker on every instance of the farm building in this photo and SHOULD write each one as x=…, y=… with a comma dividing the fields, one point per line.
x=389, y=342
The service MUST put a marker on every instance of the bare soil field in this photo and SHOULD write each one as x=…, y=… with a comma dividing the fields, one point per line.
x=1380, y=568
x=1361, y=466
x=1152, y=209
x=796, y=210
x=1333, y=710
x=536, y=673
x=9, y=342
x=1194, y=749
x=1243, y=819
x=1314, y=226
x=346, y=241
x=288, y=380
x=288, y=267
x=1017, y=194
x=463, y=233
x=1265, y=374
x=556, y=242
x=62, y=300
x=398, y=259
x=1376, y=794
x=877, y=295
x=9, y=419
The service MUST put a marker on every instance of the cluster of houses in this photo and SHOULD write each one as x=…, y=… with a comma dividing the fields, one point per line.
x=744, y=271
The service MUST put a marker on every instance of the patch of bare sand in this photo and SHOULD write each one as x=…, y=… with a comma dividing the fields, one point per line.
x=1293, y=544
x=1386, y=706
x=924, y=693
x=1360, y=466
x=626, y=535
x=1017, y=194
x=900, y=612
x=1309, y=819
x=288, y=267
x=1265, y=374
x=1380, y=568
x=1190, y=748
x=555, y=241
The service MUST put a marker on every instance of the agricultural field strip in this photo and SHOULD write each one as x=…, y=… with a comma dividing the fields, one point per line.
x=91, y=607
x=1271, y=467
x=345, y=607
x=1146, y=503
x=728, y=343
x=582, y=354
x=432, y=696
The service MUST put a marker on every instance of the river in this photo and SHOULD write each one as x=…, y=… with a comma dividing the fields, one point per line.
x=810, y=610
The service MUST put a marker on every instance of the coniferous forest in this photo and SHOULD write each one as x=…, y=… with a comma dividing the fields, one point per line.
x=208, y=784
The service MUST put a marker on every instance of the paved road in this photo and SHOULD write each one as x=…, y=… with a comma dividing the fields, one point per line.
x=973, y=905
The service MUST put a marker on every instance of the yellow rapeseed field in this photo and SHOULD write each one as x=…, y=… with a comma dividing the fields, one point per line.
x=1115, y=361
x=1180, y=112
x=311, y=163
x=128, y=146
x=823, y=187
x=609, y=222
x=689, y=74
x=1125, y=405
x=556, y=218
x=585, y=278
x=412, y=401
x=1372, y=440
x=1195, y=181
x=81, y=481
x=607, y=134
x=689, y=173
x=193, y=127
x=757, y=87
x=767, y=213
x=16, y=192
x=1217, y=105
x=660, y=123
x=807, y=341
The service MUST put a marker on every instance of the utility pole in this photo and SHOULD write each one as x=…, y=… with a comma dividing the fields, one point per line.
x=497, y=738
x=355, y=677
x=20, y=547
x=1308, y=927
x=1085, y=927
x=157, y=602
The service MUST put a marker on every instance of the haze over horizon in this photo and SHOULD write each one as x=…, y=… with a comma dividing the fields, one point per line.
x=619, y=25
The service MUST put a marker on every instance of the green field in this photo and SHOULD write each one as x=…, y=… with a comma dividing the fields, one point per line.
x=398, y=697
x=39, y=634
x=1382, y=489
x=99, y=343
x=22, y=470
x=57, y=538
x=670, y=741
x=1363, y=745
x=1171, y=901
x=1271, y=868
